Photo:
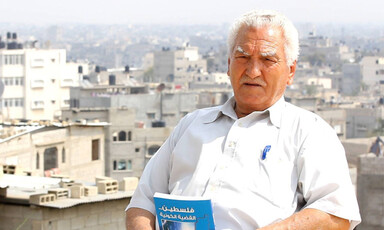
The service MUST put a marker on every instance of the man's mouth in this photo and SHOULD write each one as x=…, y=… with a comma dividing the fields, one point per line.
x=252, y=84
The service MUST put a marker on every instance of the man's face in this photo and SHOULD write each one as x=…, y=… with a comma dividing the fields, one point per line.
x=258, y=69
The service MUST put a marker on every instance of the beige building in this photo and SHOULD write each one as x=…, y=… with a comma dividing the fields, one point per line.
x=179, y=66
x=373, y=70
x=75, y=150
x=39, y=203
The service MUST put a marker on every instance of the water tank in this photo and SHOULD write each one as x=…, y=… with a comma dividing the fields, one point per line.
x=8, y=35
x=12, y=45
x=126, y=69
x=80, y=69
x=14, y=36
x=158, y=124
x=112, y=79
x=97, y=69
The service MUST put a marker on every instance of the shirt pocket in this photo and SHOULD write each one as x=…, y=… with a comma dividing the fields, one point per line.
x=283, y=180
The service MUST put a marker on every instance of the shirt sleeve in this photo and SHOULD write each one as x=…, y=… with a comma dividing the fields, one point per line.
x=155, y=176
x=324, y=178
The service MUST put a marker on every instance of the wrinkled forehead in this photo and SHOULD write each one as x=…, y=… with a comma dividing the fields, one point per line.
x=266, y=39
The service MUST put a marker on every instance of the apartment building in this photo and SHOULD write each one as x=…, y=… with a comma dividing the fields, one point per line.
x=180, y=66
x=373, y=70
x=36, y=82
x=76, y=150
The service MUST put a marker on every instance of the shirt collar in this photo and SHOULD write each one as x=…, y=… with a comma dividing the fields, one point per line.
x=275, y=112
x=225, y=109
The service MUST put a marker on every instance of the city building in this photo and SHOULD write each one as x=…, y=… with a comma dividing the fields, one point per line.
x=179, y=66
x=76, y=150
x=372, y=70
x=370, y=190
x=128, y=143
x=31, y=202
x=36, y=81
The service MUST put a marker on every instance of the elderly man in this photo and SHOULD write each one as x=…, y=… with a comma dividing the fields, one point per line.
x=265, y=163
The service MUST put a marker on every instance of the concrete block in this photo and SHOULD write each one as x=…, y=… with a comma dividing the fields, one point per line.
x=69, y=184
x=107, y=186
x=78, y=222
x=91, y=220
x=104, y=218
x=101, y=178
x=3, y=192
x=12, y=169
x=40, y=199
x=63, y=224
x=128, y=183
x=77, y=191
x=90, y=190
x=60, y=193
x=60, y=176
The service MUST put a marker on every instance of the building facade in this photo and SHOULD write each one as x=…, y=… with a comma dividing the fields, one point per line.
x=75, y=150
x=36, y=83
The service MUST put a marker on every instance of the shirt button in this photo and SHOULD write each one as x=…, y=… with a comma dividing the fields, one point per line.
x=240, y=124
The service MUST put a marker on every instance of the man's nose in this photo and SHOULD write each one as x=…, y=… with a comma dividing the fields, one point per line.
x=253, y=68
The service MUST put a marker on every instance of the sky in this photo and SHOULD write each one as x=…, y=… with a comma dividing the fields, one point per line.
x=50, y=12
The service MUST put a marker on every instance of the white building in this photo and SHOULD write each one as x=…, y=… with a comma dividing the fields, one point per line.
x=180, y=65
x=373, y=70
x=36, y=83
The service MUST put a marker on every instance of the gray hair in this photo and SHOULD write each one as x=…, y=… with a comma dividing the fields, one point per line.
x=260, y=18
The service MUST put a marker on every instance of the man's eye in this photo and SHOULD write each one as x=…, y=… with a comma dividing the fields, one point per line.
x=270, y=60
x=242, y=57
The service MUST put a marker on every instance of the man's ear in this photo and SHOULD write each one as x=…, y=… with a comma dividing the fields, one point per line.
x=229, y=64
x=292, y=69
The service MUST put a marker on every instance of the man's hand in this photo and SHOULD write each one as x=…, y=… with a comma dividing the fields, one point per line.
x=139, y=219
x=308, y=219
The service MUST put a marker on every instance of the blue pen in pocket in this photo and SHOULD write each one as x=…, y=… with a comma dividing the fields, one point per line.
x=265, y=151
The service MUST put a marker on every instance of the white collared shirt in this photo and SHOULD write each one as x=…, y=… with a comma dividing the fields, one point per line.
x=214, y=154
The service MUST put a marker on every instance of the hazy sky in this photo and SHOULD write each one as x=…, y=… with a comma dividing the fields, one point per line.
x=47, y=12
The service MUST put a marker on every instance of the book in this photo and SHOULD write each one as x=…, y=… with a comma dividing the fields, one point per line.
x=183, y=212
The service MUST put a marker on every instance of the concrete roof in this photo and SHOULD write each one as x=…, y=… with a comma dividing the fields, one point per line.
x=20, y=188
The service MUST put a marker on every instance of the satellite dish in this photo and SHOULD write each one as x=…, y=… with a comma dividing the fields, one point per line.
x=1, y=87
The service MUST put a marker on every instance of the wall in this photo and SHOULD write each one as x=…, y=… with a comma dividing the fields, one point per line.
x=370, y=191
x=101, y=215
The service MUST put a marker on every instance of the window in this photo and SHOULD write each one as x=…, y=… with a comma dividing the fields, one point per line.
x=129, y=135
x=13, y=59
x=122, y=136
x=114, y=136
x=95, y=149
x=137, y=150
x=37, y=105
x=63, y=155
x=129, y=165
x=37, y=160
x=50, y=158
x=37, y=84
x=122, y=165
x=151, y=115
x=153, y=149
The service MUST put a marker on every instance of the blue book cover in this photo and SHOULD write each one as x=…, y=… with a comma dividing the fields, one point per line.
x=183, y=212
